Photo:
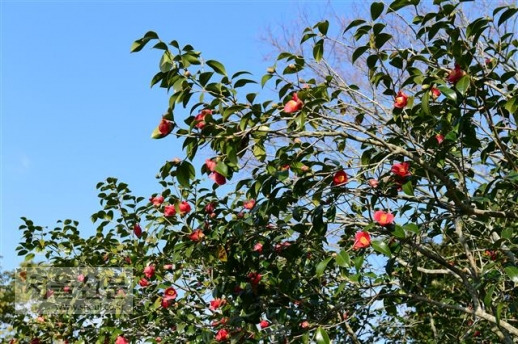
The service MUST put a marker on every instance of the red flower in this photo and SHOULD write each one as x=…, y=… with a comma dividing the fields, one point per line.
x=121, y=340
x=197, y=235
x=143, y=282
x=67, y=289
x=137, y=230
x=157, y=200
x=258, y=247
x=170, y=293
x=279, y=247
x=435, y=93
x=340, y=178
x=165, y=127
x=184, y=208
x=361, y=240
x=222, y=335
x=264, y=323
x=373, y=183
x=169, y=210
x=199, y=119
x=401, y=100
x=401, y=169
x=439, y=138
x=218, y=178
x=491, y=254
x=249, y=204
x=383, y=218
x=81, y=278
x=149, y=271
x=211, y=164
x=166, y=302
x=293, y=105
x=168, y=267
x=455, y=74
x=209, y=208
x=216, y=303
x=304, y=324
x=255, y=278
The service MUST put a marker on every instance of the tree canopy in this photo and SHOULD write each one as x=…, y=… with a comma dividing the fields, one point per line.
x=383, y=209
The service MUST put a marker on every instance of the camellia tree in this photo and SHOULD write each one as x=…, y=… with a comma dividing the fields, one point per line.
x=337, y=213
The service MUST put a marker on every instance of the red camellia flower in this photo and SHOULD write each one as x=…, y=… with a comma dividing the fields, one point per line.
x=455, y=74
x=361, y=240
x=149, y=271
x=165, y=127
x=264, y=323
x=81, y=278
x=67, y=289
x=293, y=105
x=197, y=235
x=439, y=138
x=216, y=303
x=435, y=93
x=200, y=118
x=170, y=293
x=383, y=218
x=211, y=164
x=255, y=278
x=121, y=340
x=258, y=247
x=401, y=100
x=218, y=178
x=222, y=335
x=143, y=282
x=340, y=178
x=304, y=324
x=184, y=208
x=373, y=183
x=157, y=200
x=209, y=208
x=249, y=204
x=137, y=230
x=401, y=169
x=169, y=210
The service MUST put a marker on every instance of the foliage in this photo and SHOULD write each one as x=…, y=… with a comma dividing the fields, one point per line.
x=380, y=213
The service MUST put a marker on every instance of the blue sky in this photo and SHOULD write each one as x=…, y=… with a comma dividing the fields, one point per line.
x=76, y=106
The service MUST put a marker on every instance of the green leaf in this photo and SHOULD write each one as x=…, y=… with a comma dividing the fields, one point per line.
x=322, y=266
x=381, y=247
x=411, y=227
x=222, y=169
x=342, y=259
x=217, y=66
x=463, y=84
x=321, y=336
x=512, y=272
x=359, y=52
x=448, y=92
x=353, y=24
x=165, y=63
x=141, y=43
x=265, y=79
x=399, y=232
x=243, y=82
x=376, y=10
x=323, y=26
x=318, y=50
x=506, y=15
x=184, y=173
x=408, y=188
x=425, y=102
x=381, y=39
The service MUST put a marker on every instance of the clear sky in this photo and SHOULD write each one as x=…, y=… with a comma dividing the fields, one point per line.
x=76, y=106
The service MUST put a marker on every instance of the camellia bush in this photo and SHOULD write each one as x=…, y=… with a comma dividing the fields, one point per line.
x=334, y=212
